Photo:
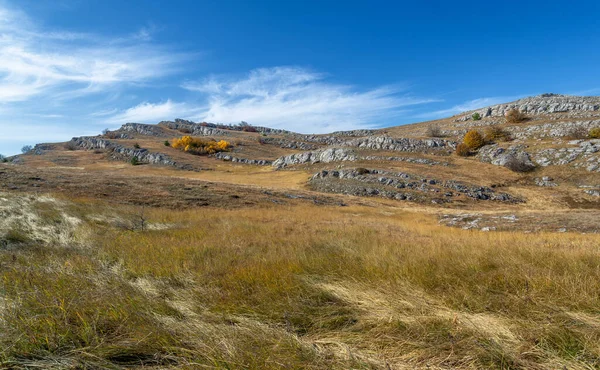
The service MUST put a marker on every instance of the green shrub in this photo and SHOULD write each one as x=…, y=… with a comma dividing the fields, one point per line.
x=463, y=150
x=167, y=143
x=136, y=145
x=473, y=140
x=476, y=116
x=135, y=161
x=594, y=133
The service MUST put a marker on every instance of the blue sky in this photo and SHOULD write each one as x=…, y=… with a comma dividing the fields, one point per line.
x=74, y=67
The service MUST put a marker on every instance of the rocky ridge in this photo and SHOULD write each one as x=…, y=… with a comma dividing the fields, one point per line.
x=541, y=104
x=401, y=186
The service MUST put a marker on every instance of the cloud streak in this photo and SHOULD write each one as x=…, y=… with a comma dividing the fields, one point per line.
x=301, y=100
x=152, y=113
x=465, y=107
x=51, y=79
x=35, y=62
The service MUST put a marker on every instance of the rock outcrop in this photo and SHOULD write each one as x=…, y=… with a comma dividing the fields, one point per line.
x=121, y=152
x=401, y=186
x=502, y=157
x=541, y=104
x=288, y=144
x=324, y=156
x=400, y=144
x=581, y=154
x=144, y=129
x=229, y=158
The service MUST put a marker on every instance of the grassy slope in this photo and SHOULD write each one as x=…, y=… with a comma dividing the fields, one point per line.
x=297, y=286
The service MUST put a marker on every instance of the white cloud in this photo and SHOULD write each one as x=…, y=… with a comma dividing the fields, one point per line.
x=153, y=113
x=36, y=62
x=466, y=106
x=300, y=100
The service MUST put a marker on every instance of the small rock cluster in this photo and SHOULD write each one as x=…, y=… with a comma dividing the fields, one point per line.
x=545, y=181
x=229, y=158
x=502, y=157
x=288, y=144
x=584, y=152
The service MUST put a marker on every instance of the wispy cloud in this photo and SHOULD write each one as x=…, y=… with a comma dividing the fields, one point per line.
x=36, y=62
x=466, y=106
x=299, y=99
x=152, y=113
x=51, y=79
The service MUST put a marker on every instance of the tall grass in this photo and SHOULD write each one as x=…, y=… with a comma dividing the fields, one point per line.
x=306, y=287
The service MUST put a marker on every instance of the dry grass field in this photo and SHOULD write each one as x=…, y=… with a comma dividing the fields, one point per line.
x=90, y=284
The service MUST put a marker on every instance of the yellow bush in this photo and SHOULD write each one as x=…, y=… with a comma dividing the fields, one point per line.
x=200, y=146
x=595, y=133
x=473, y=140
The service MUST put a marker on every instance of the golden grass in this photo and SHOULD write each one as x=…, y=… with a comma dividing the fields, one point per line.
x=301, y=287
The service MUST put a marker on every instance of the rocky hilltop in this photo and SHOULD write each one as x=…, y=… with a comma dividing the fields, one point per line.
x=541, y=105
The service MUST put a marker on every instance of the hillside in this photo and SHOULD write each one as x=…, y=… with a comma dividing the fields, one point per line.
x=409, y=165
x=247, y=247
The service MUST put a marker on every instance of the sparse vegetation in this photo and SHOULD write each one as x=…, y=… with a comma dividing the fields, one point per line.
x=474, y=140
x=578, y=133
x=518, y=164
x=594, y=133
x=495, y=134
x=167, y=143
x=476, y=116
x=69, y=145
x=134, y=161
x=26, y=149
x=434, y=131
x=246, y=127
x=515, y=116
x=463, y=150
x=136, y=146
x=200, y=146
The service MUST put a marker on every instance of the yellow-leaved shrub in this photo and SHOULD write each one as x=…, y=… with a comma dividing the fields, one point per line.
x=474, y=140
x=199, y=146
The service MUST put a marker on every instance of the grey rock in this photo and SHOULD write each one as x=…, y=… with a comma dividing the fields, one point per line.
x=541, y=104
x=502, y=157
x=324, y=156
